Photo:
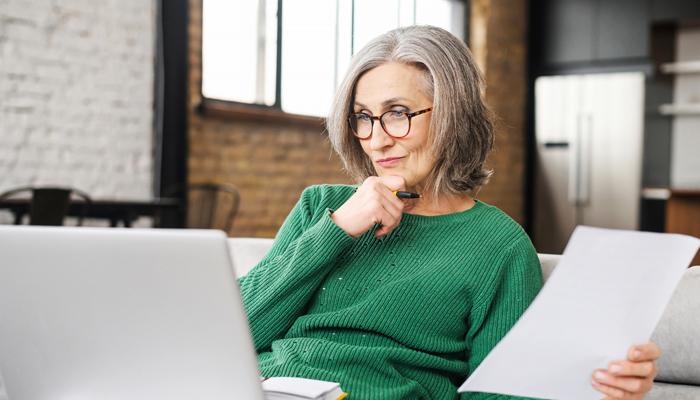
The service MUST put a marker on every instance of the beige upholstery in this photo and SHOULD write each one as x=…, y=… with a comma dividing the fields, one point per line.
x=548, y=262
x=247, y=252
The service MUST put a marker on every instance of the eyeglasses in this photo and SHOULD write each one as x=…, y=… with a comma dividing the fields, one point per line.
x=396, y=124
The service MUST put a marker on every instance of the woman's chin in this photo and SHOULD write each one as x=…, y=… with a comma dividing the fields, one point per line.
x=383, y=173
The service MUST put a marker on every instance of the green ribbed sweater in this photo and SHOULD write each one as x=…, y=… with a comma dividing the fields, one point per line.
x=405, y=317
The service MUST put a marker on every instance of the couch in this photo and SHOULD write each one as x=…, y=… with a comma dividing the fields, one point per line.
x=678, y=332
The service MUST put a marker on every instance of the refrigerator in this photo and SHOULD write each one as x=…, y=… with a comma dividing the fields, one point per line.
x=588, y=131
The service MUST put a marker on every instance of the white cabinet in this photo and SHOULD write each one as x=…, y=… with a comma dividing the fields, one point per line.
x=685, y=139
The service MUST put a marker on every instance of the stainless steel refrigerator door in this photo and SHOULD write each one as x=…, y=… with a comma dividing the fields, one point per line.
x=556, y=109
x=614, y=106
x=589, y=152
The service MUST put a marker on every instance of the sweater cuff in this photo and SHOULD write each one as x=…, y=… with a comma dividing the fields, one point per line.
x=335, y=238
x=329, y=237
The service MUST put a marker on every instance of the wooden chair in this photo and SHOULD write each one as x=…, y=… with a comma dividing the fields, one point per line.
x=209, y=205
x=48, y=205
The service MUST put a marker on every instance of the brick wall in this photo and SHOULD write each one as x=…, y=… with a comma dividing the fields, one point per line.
x=76, y=95
x=499, y=41
x=272, y=162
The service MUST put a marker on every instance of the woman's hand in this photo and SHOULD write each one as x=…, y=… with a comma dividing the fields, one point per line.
x=373, y=202
x=629, y=379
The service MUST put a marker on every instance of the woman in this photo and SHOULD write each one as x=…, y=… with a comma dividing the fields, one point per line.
x=402, y=299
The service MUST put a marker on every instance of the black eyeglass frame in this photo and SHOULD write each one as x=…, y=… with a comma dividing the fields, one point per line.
x=381, y=122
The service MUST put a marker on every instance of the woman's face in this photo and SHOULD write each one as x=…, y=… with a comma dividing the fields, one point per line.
x=398, y=87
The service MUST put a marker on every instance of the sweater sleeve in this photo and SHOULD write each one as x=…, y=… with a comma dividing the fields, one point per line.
x=276, y=291
x=517, y=280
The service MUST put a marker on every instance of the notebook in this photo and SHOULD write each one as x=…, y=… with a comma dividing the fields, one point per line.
x=290, y=388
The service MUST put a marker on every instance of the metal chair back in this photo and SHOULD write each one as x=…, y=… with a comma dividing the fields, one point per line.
x=49, y=205
x=209, y=205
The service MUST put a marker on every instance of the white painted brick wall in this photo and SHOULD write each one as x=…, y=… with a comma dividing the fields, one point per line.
x=76, y=95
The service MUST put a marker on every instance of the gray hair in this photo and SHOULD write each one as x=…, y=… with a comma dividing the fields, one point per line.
x=461, y=127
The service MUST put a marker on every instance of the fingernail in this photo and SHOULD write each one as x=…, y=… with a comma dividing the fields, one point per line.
x=615, y=368
x=595, y=383
x=637, y=354
x=600, y=375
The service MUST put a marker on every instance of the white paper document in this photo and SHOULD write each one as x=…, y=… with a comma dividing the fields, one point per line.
x=607, y=294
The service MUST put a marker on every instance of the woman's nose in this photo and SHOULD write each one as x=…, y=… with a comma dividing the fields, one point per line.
x=380, y=139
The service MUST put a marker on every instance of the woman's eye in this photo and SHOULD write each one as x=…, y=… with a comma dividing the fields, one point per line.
x=397, y=113
x=363, y=117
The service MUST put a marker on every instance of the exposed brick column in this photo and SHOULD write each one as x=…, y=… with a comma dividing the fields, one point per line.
x=498, y=39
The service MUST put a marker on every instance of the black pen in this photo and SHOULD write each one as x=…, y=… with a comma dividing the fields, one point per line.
x=401, y=194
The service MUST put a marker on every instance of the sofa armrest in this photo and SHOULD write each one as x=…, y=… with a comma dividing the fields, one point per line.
x=678, y=333
x=247, y=252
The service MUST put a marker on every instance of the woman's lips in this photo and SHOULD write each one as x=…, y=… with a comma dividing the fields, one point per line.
x=387, y=162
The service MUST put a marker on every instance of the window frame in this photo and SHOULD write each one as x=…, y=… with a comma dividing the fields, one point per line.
x=250, y=111
x=273, y=113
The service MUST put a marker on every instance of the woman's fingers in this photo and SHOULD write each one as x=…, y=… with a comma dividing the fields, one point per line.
x=630, y=368
x=629, y=384
x=387, y=201
x=392, y=211
x=629, y=379
x=644, y=352
x=390, y=207
x=620, y=394
x=373, y=203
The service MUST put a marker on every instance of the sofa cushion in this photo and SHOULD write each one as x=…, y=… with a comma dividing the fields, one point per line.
x=669, y=391
x=247, y=252
x=678, y=333
x=548, y=262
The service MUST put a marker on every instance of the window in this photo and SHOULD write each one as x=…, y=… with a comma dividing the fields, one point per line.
x=240, y=49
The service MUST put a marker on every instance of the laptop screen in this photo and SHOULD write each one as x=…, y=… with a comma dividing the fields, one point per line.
x=98, y=313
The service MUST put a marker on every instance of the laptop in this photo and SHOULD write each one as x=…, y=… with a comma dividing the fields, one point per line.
x=100, y=313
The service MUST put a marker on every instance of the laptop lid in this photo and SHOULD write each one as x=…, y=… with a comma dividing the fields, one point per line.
x=97, y=313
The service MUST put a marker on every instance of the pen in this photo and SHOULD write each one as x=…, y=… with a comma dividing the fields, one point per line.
x=401, y=194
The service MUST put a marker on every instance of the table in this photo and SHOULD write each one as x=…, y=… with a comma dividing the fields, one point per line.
x=126, y=211
x=683, y=214
x=682, y=210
